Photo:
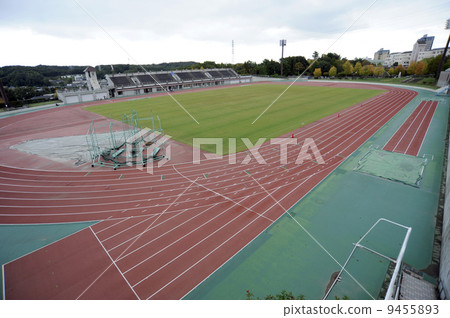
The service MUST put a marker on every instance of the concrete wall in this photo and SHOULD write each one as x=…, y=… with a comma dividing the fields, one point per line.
x=444, y=273
x=71, y=97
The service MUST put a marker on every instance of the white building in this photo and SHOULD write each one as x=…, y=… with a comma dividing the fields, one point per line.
x=422, y=49
x=381, y=54
x=401, y=58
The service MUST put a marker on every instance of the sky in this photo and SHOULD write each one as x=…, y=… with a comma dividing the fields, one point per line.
x=94, y=32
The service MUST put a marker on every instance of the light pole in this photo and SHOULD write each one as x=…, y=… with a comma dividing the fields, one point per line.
x=282, y=44
x=447, y=26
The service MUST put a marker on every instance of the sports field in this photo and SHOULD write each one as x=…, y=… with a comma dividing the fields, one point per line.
x=215, y=230
x=230, y=112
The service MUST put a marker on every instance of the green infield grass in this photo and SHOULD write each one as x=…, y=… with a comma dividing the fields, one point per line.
x=230, y=112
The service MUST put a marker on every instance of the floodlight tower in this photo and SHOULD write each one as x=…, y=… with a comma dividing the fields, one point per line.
x=282, y=44
x=447, y=26
x=232, y=51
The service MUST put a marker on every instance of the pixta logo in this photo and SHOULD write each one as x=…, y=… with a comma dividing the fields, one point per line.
x=307, y=151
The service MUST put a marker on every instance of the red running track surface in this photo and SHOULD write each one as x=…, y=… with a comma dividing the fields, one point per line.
x=409, y=137
x=160, y=237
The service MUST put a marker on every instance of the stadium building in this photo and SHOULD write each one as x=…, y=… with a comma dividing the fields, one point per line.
x=134, y=84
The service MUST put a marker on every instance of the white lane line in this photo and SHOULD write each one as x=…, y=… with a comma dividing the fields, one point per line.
x=133, y=241
x=430, y=108
x=221, y=195
x=179, y=239
x=165, y=233
x=429, y=125
x=114, y=224
x=3, y=282
x=113, y=262
x=421, y=105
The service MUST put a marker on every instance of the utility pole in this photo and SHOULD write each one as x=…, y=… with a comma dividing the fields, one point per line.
x=282, y=44
x=447, y=26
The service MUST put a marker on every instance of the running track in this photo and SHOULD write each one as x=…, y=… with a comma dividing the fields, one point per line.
x=161, y=235
x=409, y=137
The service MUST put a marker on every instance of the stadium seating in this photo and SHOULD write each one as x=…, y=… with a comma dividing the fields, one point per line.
x=185, y=76
x=122, y=81
x=215, y=74
x=164, y=78
x=199, y=75
x=145, y=79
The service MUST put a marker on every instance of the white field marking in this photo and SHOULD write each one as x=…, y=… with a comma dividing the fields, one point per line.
x=129, y=245
x=409, y=126
x=184, y=252
x=149, y=242
x=114, y=224
x=398, y=128
x=315, y=240
x=3, y=282
x=219, y=194
x=420, y=124
x=428, y=128
x=334, y=42
x=177, y=213
x=179, y=239
x=113, y=262
x=428, y=111
x=134, y=241
x=126, y=229
x=62, y=238
x=132, y=58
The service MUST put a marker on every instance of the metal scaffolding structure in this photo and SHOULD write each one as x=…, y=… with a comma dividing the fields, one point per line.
x=128, y=144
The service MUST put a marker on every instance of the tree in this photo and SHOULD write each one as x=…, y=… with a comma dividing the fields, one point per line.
x=348, y=68
x=433, y=64
x=299, y=67
x=357, y=68
x=315, y=55
x=421, y=68
x=400, y=69
x=391, y=71
x=249, y=67
x=333, y=71
x=317, y=72
x=366, y=70
x=411, y=68
x=284, y=295
x=378, y=71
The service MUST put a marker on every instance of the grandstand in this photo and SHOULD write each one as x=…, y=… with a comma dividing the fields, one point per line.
x=149, y=82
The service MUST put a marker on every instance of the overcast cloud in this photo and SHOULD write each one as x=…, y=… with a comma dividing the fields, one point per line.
x=59, y=32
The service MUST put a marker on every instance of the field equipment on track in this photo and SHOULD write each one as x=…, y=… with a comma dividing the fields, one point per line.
x=127, y=144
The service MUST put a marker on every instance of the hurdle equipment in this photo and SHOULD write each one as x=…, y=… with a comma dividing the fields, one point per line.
x=128, y=144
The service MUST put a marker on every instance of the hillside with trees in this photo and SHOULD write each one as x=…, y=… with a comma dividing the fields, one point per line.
x=23, y=83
